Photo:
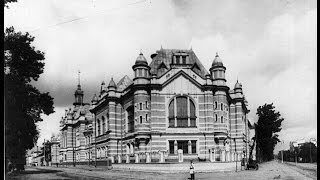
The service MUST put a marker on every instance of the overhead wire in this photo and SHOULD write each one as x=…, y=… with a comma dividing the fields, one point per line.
x=87, y=16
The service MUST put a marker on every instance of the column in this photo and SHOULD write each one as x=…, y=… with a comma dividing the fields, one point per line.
x=210, y=155
x=137, y=158
x=214, y=155
x=189, y=147
x=175, y=112
x=175, y=147
x=112, y=159
x=148, y=159
x=127, y=158
x=223, y=156
x=161, y=160
x=180, y=155
x=119, y=159
x=188, y=105
x=228, y=156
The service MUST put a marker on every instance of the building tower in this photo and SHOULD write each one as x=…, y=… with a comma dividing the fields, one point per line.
x=220, y=102
x=141, y=103
x=78, y=94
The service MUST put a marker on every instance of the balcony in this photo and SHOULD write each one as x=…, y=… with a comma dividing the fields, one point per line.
x=103, y=137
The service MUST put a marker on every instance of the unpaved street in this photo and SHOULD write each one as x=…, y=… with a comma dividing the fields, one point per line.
x=269, y=170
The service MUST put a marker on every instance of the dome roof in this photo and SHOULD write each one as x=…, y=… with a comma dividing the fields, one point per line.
x=217, y=61
x=141, y=59
x=237, y=85
x=112, y=83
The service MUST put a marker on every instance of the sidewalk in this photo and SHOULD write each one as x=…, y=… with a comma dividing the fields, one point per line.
x=180, y=167
x=200, y=167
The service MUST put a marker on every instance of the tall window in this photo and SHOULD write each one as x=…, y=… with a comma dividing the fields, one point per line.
x=146, y=104
x=221, y=107
x=216, y=117
x=184, y=114
x=221, y=119
x=140, y=106
x=103, y=125
x=98, y=123
x=215, y=105
x=171, y=147
x=140, y=119
x=130, y=119
x=146, y=117
x=107, y=123
x=193, y=146
x=171, y=114
x=184, y=60
x=184, y=146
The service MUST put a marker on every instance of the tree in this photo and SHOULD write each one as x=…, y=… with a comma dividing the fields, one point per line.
x=5, y=2
x=24, y=103
x=268, y=125
x=306, y=150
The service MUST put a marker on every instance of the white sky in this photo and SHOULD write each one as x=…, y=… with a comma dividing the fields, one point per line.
x=269, y=45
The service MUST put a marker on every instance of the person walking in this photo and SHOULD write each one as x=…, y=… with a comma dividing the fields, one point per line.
x=191, y=170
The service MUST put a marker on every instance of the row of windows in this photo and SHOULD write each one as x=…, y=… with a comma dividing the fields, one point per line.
x=180, y=59
x=102, y=123
x=140, y=118
x=88, y=139
x=184, y=145
x=222, y=119
x=102, y=152
x=141, y=107
x=88, y=155
x=222, y=106
x=141, y=73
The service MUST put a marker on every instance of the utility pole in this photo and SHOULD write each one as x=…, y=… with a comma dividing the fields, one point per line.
x=235, y=149
x=310, y=151
x=282, y=152
x=44, y=152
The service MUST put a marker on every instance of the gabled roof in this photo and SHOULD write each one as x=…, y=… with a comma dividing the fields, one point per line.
x=124, y=83
x=165, y=56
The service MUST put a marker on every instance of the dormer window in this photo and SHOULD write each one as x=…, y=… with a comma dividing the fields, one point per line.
x=180, y=58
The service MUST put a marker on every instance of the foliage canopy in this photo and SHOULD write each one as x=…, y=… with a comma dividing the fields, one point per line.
x=269, y=123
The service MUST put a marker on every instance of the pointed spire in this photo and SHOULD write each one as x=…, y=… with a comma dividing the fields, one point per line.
x=217, y=61
x=237, y=85
x=79, y=77
x=141, y=59
x=112, y=83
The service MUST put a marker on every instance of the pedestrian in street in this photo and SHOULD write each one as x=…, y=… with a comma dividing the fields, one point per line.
x=191, y=170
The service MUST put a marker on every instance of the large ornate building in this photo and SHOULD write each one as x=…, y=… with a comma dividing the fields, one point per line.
x=76, y=132
x=172, y=105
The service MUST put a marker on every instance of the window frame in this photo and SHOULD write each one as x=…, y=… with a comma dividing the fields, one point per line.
x=179, y=118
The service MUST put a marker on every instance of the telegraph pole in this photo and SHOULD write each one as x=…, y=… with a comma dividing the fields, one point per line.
x=44, y=152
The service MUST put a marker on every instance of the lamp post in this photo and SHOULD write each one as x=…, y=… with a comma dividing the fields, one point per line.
x=282, y=152
x=235, y=149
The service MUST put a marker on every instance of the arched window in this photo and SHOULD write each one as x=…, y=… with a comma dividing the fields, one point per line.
x=182, y=112
x=98, y=123
x=140, y=119
x=103, y=125
x=221, y=107
x=215, y=105
x=130, y=119
x=221, y=119
x=216, y=117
